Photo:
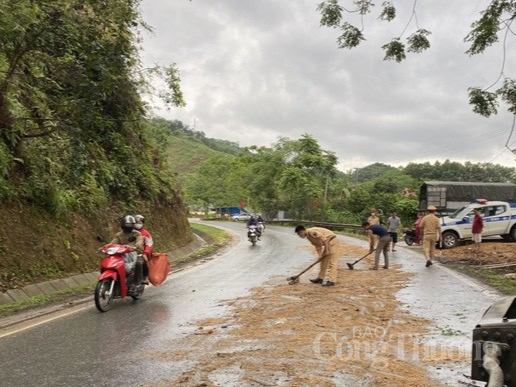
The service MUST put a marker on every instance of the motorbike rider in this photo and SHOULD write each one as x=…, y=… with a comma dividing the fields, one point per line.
x=148, y=245
x=134, y=240
x=253, y=221
x=261, y=222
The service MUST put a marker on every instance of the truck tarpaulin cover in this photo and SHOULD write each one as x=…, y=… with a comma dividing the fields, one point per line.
x=159, y=267
x=469, y=191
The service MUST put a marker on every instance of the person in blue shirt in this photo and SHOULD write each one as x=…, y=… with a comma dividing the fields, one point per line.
x=383, y=244
x=253, y=222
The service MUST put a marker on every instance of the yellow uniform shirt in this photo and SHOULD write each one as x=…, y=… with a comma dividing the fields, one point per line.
x=430, y=224
x=373, y=219
x=318, y=235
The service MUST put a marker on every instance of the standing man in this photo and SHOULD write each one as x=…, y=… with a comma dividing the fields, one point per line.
x=383, y=244
x=326, y=244
x=373, y=219
x=393, y=224
x=478, y=226
x=432, y=232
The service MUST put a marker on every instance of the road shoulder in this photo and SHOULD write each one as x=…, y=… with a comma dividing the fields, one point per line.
x=39, y=300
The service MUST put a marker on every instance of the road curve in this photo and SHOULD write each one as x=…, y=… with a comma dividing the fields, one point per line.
x=88, y=348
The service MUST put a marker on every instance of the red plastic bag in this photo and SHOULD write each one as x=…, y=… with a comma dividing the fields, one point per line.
x=159, y=267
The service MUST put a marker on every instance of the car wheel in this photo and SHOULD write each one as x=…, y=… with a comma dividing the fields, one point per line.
x=450, y=240
x=512, y=233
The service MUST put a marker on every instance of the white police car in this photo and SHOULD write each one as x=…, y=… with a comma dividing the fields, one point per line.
x=499, y=219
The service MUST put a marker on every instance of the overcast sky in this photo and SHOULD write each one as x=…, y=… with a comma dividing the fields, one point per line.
x=255, y=70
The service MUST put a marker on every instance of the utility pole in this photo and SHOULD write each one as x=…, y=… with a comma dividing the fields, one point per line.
x=324, y=198
x=356, y=175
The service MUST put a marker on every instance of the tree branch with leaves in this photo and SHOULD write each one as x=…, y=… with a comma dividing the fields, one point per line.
x=495, y=23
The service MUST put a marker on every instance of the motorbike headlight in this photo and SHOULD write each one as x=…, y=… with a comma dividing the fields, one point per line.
x=112, y=251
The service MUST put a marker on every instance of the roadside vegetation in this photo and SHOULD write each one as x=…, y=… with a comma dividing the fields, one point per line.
x=300, y=177
x=491, y=277
x=76, y=150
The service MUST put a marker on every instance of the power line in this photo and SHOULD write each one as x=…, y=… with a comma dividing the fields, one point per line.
x=507, y=145
x=459, y=144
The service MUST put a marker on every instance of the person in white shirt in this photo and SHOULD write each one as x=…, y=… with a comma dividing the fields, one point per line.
x=393, y=224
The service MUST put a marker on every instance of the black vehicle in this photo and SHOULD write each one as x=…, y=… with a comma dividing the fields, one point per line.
x=409, y=235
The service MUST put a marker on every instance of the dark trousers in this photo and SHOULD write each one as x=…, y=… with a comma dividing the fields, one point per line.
x=145, y=268
x=138, y=271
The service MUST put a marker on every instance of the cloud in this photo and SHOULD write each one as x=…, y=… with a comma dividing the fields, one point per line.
x=256, y=70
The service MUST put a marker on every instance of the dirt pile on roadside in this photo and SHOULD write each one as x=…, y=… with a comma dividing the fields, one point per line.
x=491, y=253
x=308, y=335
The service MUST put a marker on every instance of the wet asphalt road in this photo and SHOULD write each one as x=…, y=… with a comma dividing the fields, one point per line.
x=453, y=302
x=89, y=348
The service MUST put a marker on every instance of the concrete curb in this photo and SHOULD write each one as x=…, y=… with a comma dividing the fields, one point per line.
x=54, y=286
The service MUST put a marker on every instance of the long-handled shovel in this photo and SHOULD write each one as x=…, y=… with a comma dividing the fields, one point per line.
x=295, y=279
x=350, y=265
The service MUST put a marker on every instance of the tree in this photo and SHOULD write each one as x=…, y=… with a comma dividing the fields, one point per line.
x=394, y=182
x=455, y=171
x=372, y=172
x=221, y=182
x=266, y=166
x=305, y=177
x=292, y=175
x=71, y=118
x=496, y=20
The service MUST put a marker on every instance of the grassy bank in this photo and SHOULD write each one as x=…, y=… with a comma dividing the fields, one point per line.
x=36, y=247
x=215, y=237
x=491, y=277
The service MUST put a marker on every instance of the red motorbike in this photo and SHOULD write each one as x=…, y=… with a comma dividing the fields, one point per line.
x=116, y=277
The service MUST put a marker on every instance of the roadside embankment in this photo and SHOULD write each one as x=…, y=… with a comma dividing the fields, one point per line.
x=70, y=289
x=36, y=246
x=494, y=264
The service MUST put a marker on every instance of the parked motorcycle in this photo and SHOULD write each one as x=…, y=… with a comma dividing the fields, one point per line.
x=252, y=234
x=409, y=235
x=117, y=272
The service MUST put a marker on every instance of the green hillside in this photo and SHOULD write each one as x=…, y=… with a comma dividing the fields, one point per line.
x=186, y=153
x=187, y=148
